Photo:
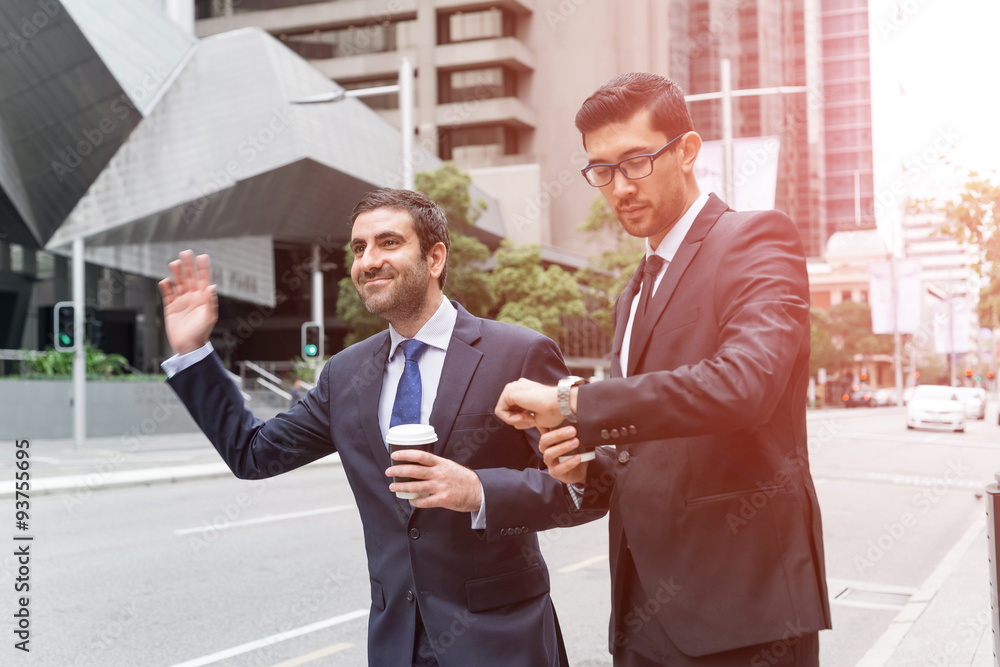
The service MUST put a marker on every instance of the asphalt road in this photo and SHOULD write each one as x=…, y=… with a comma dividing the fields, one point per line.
x=225, y=572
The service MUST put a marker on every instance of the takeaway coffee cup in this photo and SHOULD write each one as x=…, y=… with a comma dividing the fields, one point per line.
x=410, y=436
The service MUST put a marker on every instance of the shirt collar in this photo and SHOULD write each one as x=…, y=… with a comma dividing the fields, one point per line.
x=672, y=241
x=436, y=331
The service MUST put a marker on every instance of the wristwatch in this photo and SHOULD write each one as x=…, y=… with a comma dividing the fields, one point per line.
x=562, y=395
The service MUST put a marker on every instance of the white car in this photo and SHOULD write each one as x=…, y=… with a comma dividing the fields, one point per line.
x=935, y=406
x=974, y=399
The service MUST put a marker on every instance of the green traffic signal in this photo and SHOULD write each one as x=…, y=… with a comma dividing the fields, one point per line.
x=311, y=350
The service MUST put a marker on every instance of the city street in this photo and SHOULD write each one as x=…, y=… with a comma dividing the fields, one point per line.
x=226, y=572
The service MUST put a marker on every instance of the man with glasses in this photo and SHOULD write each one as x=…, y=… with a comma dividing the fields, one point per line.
x=715, y=534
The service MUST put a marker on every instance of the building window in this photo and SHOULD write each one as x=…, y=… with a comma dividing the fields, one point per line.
x=469, y=26
x=475, y=143
x=476, y=84
x=845, y=295
x=353, y=40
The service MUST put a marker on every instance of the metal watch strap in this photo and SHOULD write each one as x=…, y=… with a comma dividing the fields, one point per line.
x=562, y=396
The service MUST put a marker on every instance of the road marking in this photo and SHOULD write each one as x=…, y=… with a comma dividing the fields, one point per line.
x=263, y=519
x=273, y=639
x=315, y=655
x=902, y=480
x=587, y=562
x=882, y=650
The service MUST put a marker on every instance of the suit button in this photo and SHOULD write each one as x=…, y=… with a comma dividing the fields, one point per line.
x=524, y=529
x=614, y=433
x=503, y=532
x=409, y=596
x=414, y=533
x=604, y=434
x=623, y=457
x=632, y=430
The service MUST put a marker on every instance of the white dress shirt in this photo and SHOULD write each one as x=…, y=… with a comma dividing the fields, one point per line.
x=667, y=249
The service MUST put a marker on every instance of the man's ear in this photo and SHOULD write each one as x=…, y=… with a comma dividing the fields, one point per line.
x=437, y=259
x=690, y=147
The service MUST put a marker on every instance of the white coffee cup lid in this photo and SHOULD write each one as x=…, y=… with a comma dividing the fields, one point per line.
x=411, y=434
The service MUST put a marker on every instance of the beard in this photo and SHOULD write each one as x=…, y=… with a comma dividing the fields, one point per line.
x=400, y=300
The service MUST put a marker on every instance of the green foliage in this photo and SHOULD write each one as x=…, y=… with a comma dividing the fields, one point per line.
x=974, y=220
x=823, y=353
x=530, y=295
x=607, y=274
x=53, y=363
x=449, y=187
x=849, y=326
x=468, y=281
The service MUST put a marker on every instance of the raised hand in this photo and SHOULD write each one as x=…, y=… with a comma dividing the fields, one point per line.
x=190, y=305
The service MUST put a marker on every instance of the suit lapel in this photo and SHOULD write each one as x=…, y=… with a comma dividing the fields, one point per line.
x=459, y=366
x=369, y=394
x=621, y=312
x=714, y=208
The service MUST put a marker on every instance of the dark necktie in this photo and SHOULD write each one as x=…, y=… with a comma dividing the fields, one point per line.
x=649, y=272
x=406, y=406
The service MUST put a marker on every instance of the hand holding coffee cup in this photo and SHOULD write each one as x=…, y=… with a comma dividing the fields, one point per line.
x=410, y=436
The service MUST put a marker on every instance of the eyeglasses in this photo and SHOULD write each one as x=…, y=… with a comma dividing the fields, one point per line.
x=633, y=168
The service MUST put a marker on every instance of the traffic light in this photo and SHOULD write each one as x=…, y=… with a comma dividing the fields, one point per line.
x=968, y=372
x=64, y=326
x=990, y=374
x=864, y=376
x=312, y=341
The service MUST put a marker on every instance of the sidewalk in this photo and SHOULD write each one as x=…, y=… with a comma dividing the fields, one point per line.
x=948, y=620
x=56, y=466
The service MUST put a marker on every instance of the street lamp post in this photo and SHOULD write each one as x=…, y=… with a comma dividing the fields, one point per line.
x=405, y=90
x=726, y=95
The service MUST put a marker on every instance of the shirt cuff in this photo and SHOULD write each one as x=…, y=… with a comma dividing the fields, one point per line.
x=576, y=494
x=179, y=362
x=479, y=518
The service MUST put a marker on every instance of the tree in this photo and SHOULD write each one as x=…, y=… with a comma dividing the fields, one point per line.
x=850, y=331
x=974, y=220
x=530, y=295
x=607, y=274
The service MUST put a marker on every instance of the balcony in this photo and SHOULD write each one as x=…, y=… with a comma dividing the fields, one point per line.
x=505, y=51
x=515, y=6
x=337, y=13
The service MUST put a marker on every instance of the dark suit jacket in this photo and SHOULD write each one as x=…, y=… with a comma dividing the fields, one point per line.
x=483, y=595
x=709, y=483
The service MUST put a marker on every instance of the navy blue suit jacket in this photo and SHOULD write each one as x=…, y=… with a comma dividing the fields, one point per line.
x=483, y=595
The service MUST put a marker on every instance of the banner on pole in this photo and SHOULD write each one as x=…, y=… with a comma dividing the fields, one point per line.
x=880, y=296
x=951, y=326
x=755, y=171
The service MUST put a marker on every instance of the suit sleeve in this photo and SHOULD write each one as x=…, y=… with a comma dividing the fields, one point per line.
x=761, y=306
x=531, y=498
x=254, y=449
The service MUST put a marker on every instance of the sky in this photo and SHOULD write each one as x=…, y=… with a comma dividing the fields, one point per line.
x=935, y=97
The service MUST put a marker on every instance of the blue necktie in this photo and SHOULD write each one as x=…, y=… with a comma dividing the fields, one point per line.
x=406, y=407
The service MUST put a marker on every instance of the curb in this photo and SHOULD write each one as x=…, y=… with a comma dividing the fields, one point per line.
x=125, y=478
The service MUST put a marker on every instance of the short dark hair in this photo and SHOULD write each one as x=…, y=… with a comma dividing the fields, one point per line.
x=428, y=218
x=624, y=96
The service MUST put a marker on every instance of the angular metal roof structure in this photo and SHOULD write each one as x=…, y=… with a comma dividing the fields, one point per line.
x=185, y=140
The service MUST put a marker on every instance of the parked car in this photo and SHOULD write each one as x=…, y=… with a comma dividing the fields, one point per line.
x=858, y=398
x=884, y=397
x=935, y=406
x=974, y=400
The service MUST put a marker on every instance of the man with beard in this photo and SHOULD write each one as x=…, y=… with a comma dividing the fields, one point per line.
x=715, y=534
x=456, y=576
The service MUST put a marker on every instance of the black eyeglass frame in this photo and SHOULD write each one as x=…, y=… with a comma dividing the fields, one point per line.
x=618, y=165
